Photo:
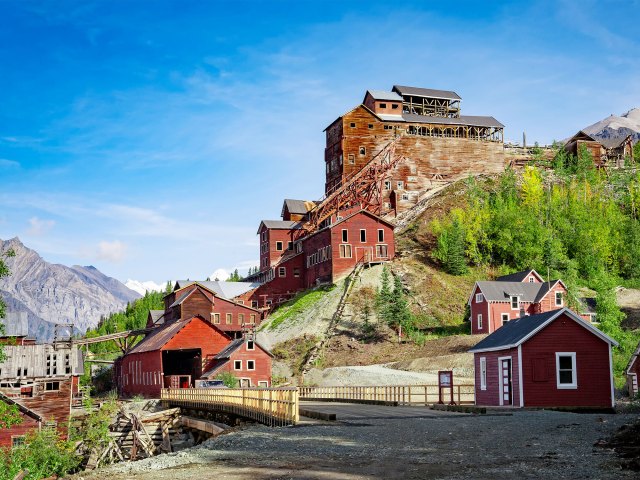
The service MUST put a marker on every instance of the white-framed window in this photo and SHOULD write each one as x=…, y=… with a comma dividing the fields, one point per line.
x=237, y=364
x=251, y=345
x=229, y=318
x=263, y=384
x=559, y=300
x=380, y=235
x=345, y=236
x=282, y=271
x=405, y=196
x=400, y=185
x=566, y=372
x=279, y=246
x=515, y=302
x=479, y=321
x=531, y=279
x=483, y=373
x=252, y=318
x=345, y=251
x=352, y=158
x=251, y=364
x=505, y=318
x=479, y=298
x=387, y=184
x=363, y=235
x=382, y=251
x=240, y=318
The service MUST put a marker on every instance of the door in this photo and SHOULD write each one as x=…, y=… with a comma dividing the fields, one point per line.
x=245, y=382
x=506, y=394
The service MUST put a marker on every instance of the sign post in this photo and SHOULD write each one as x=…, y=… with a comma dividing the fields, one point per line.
x=445, y=380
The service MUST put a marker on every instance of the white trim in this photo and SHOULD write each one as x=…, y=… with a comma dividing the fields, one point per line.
x=556, y=299
x=473, y=291
x=254, y=365
x=483, y=373
x=234, y=365
x=502, y=315
x=520, y=383
x=517, y=297
x=613, y=400
x=479, y=321
x=570, y=314
x=481, y=299
x=500, y=382
x=574, y=371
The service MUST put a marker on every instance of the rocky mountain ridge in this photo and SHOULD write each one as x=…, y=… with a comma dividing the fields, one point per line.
x=54, y=294
x=615, y=126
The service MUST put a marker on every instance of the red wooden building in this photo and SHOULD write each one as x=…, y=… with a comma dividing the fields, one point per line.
x=493, y=304
x=173, y=355
x=245, y=359
x=633, y=372
x=552, y=359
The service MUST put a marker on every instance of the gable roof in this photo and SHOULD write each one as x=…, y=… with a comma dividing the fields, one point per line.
x=156, y=317
x=280, y=225
x=184, y=295
x=582, y=135
x=297, y=207
x=426, y=92
x=224, y=355
x=383, y=95
x=502, y=291
x=610, y=143
x=159, y=337
x=224, y=290
x=365, y=212
x=516, y=332
x=519, y=276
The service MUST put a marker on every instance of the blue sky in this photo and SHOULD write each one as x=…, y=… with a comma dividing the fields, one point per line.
x=149, y=138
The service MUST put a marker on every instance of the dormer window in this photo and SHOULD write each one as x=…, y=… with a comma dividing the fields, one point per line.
x=515, y=302
x=479, y=298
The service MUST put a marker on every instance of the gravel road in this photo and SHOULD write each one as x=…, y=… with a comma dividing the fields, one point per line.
x=530, y=444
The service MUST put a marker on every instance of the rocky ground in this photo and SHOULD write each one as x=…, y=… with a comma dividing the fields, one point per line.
x=529, y=444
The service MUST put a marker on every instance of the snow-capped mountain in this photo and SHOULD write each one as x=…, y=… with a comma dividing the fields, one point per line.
x=144, y=287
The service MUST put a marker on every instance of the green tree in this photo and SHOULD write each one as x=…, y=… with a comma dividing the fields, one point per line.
x=385, y=296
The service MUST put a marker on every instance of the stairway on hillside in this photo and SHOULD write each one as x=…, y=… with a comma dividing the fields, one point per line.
x=404, y=219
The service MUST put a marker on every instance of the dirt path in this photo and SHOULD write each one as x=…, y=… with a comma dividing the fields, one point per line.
x=549, y=445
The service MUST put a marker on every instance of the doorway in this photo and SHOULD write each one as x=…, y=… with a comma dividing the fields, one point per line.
x=506, y=386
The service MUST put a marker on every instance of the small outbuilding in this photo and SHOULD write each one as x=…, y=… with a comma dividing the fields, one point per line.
x=245, y=359
x=633, y=371
x=552, y=359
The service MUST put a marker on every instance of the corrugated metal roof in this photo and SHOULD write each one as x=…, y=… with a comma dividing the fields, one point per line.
x=181, y=298
x=470, y=120
x=298, y=207
x=226, y=290
x=515, y=332
x=426, y=92
x=280, y=225
x=387, y=117
x=384, y=95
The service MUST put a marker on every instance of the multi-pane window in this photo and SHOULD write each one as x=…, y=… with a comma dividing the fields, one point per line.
x=483, y=373
x=479, y=298
x=216, y=318
x=558, y=299
x=229, y=319
x=252, y=318
x=387, y=184
x=479, y=321
x=241, y=318
x=345, y=251
x=505, y=318
x=515, y=302
x=381, y=251
x=566, y=370
x=282, y=271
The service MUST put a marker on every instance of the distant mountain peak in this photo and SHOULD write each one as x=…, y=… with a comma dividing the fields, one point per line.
x=617, y=126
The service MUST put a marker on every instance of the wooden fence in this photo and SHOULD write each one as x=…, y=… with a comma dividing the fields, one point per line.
x=400, y=394
x=270, y=406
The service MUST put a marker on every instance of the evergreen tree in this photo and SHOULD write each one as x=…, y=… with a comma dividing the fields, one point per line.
x=385, y=296
x=455, y=262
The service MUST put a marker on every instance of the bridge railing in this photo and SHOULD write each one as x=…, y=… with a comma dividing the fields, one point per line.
x=270, y=406
x=463, y=394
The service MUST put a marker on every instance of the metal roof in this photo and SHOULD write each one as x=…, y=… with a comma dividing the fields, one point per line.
x=298, y=207
x=470, y=120
x=280, y=225
x=225, y=290
x=426, y=92
x=157, y=317
x=518, y=276
x=384, y=95
x=518, y=331
x=612, y=142
x=388, y=117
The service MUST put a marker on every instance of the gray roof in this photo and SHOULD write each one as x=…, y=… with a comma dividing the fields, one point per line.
x=612, y=142
x=515, y=332
x=517, y=277
x=471, y=120
x=383, y=95
x=299, y=207
x=157, y=316
x=501, y=291
x=280, y=225
x=227, y=290
x=426, y=92
x=15, y=324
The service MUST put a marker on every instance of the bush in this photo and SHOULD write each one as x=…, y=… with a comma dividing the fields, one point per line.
x=229, y=379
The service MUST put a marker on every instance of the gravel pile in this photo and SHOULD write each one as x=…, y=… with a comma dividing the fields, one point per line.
x=540, y=444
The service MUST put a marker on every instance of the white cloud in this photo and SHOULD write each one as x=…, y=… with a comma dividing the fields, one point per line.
x=39, y=227
x=6, y=163
x=111, y=251
x=221, y=274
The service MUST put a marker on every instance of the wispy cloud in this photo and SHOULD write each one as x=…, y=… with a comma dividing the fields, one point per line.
x=38, y=227
x=6, y=163
x=114, y=251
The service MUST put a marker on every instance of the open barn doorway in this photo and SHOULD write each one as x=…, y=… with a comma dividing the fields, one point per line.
x=181, y=368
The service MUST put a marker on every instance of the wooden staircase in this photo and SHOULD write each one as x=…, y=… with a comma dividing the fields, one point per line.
x=316, y=351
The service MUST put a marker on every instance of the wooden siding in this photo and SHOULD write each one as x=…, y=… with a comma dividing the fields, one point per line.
x=225, y=307
x=262, y=362
x=491, y=396
x=268, y=250
x=480, y=308
x=322, y=271
x=592, y=364
x=281, y=289
x=32, y=359
x=6, y=434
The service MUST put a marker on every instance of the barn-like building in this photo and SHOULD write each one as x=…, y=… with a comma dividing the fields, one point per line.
x=552, y=359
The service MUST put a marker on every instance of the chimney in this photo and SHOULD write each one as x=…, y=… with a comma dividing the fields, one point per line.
x=524, y=139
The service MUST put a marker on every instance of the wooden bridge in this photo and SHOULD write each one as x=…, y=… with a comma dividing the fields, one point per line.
x=281, y=406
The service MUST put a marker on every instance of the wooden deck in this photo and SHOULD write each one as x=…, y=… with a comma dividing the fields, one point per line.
x=350, y=411
x=270, y=406
x=390, y=394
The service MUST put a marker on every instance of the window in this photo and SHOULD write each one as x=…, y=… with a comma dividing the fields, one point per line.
x=229, y=319
x=352, y=124
x=405, y=196
x=479, y=321
x=558, y=299
x=299, y=247
x=282, y=271
x=383, y=105
x=362, y=151
x=67, y=365
x=52, y=386
x=400, y=185
x=296, y=272
x=566, y=370
x=381, y=235
x=279, y=246
x=19, y=372
x=237, y=364
x=289, y=245
x=381, y=251
x=251, y=365
x=254, y=304
x=363, y=235
x=387, y=184
x=345, y=251
x=505, y=318
x=352, y=158
x=345, y=236
x=252, y=319
x=264, y=236
x=263, y=384
x=483, y=373
x=370, y=126
x=251, y=345
x=394, y=106
x=515, y=302
x=241, y=318
x=531, y=279
x=17, y=440
x=479, y=298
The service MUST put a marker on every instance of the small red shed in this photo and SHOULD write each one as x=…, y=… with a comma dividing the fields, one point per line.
x=552, y=359
x=247, y=360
